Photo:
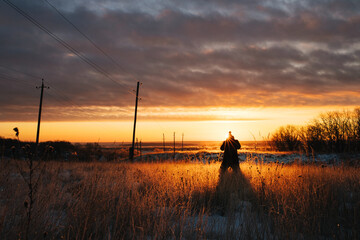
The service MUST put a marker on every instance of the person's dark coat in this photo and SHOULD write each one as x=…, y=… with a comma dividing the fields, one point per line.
x=230, y=147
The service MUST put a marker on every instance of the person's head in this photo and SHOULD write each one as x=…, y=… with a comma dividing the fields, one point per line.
x=230, y=135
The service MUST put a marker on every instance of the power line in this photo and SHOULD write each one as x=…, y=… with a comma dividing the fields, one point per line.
x=63, y=102
x=53, y=92
x=15, y=70
x=12, y=79
x=63, y=43
x=63, y=98
x=70, y=102
x=91, y=41
x=27, y=83
x=57, y=94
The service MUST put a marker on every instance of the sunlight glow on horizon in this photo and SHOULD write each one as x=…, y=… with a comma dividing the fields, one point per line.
x=205, y=67
x=152, y=130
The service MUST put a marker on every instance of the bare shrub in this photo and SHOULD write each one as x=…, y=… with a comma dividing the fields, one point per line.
x=330, y=132
x=286, y=138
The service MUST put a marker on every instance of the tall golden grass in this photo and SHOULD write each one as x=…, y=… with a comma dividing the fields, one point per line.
x=183, y=200
x=317, y=201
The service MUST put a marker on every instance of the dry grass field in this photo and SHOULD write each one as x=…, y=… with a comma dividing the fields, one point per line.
x=182, y=201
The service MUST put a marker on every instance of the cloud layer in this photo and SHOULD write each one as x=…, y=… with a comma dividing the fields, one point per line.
x=186, y=53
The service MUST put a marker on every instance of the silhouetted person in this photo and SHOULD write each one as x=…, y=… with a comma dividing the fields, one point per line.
x=230, y=159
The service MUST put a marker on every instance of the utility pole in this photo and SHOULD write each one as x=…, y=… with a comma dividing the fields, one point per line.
x=40, y=107
x=133, y=139
x=164, y=141
x=174, y=145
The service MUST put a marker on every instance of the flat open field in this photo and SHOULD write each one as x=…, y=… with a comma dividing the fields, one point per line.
x=183, y=200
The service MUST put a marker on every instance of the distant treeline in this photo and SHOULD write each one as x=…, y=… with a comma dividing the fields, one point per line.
x=58, y=150
x=331, y=132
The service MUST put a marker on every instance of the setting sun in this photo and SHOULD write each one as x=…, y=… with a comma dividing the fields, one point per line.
x=253, y=124
x=113, y=116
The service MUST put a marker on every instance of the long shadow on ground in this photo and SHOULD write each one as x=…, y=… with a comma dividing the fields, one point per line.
x=232, y=209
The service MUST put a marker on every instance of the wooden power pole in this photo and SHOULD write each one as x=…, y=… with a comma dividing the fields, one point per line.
x=40, y=107
x=133, y=139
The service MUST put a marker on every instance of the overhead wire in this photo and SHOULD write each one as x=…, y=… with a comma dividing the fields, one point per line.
x=53, y=93
x=91, y=41
x=62, y=99
x=66, y=99
x=65, y=44
x=83, y=57
x=64, y=102
x=56, y=91
x=15, y=70
x=12, y=79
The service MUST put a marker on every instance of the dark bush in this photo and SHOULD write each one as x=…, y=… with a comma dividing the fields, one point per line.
x=89, y=152
x=286, y=138
x=330, y=132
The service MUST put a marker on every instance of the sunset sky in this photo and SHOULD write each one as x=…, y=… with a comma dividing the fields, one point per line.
x=206, y=66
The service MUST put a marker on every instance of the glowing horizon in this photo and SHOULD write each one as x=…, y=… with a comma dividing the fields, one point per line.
x=149, y=131
x=206, y=67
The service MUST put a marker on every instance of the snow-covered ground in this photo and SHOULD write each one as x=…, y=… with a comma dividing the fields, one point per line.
x=264, y=157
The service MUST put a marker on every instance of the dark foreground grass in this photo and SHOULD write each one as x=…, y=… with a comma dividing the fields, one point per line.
x=183, y=200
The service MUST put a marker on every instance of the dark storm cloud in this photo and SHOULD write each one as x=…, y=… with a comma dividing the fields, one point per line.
x=186, y=53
